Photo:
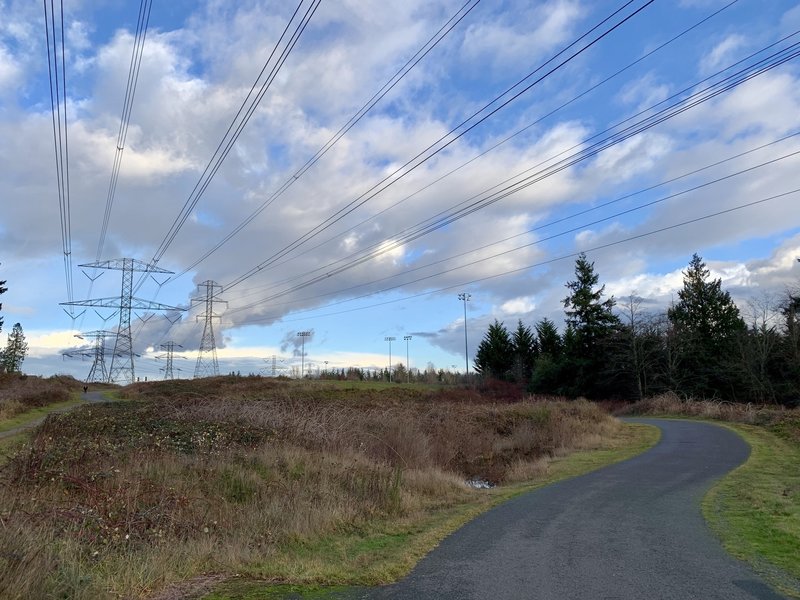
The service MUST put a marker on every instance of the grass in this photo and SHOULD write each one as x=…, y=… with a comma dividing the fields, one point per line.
x=25, y=398
x=755, y=510
x=388, y=550
x=192, y=481
x=26, y=417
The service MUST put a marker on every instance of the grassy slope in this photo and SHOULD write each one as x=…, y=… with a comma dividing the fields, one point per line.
x=385, y=552
x=756, y=509
x=36, y=413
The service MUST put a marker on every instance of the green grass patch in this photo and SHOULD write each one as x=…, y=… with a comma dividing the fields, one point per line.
x=36, y=413
x=383, y=552
x=10, y=444
x=756, y=509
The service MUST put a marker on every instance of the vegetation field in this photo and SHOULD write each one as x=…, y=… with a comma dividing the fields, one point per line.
x=191, y=482
x=756, y=509
x=23, y=397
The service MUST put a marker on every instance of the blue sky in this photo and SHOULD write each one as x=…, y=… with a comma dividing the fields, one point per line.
x=199, y=61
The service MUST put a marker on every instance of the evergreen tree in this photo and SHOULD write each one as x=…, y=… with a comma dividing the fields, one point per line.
x=495, y=354
x=3, y=290
x=15, y=351
x=707, y=325
x=546, y=377
x=591, y=326
x=526, y=351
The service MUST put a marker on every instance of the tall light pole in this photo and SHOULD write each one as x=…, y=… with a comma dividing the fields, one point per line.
x=303, y=335
x=465, y=297
x=408, y=371
x=390, y=339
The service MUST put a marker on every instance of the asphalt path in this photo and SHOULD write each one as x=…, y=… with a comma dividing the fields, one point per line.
x=633, y=530
x=90, y=397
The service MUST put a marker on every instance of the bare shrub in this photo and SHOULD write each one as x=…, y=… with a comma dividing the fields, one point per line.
x=199, y=477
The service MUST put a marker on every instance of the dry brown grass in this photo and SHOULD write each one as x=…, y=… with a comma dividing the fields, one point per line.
x=20, y=393
x=190, y=478
x=785, y=421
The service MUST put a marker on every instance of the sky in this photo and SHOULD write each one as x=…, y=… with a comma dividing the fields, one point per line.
x=639, y=133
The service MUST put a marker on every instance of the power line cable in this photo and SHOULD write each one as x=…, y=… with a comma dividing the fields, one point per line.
x=142, y=25
x=504, y=140
x=445, y=141
x=376, y=97
x=56, y=67
x=245, y=111
x=539, y=240
x=676, y=108
x=541, y=263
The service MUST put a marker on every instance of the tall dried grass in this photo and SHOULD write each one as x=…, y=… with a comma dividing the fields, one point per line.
x=197, y=477
x=784, y=420
x=20, y=393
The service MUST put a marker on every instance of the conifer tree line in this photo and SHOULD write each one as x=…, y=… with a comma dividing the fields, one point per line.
x=702, y=346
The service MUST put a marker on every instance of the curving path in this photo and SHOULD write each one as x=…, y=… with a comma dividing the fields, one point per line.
x=90, y=397
x=633, y=530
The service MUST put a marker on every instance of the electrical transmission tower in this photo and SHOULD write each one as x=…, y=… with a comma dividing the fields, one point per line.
x=207, y=365
x=98, y=372
x=169, y=348
x=122, y=360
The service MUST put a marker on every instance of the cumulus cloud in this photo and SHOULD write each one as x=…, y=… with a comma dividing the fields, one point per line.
x=196, y=73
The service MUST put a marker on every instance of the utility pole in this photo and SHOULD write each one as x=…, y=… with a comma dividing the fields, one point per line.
x=465, y=297
x=303, y=335
x=208, y=367
x=408, y=370
x=390, y=339
x=122, y=359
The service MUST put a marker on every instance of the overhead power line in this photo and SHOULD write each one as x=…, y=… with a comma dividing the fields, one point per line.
x=57, y=71
x=544, y=262
x=509, y=137
x=538, y=241
x=125, y=119
x=467, y=125
x=451, y=23
x=281, y=50
x=487, y=198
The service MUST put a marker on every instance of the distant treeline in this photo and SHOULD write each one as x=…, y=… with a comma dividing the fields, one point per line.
x=700, y=347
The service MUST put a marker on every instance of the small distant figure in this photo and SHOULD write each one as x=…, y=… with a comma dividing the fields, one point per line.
x=85, y=389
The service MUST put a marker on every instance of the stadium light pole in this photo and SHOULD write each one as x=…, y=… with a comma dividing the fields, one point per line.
x=465, y=297
x=408, y=371
x=303, y=335
x=390, y=339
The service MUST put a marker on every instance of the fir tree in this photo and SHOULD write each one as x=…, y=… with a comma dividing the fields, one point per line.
x=495, y=354
x=707, y=325
x=15, y=351
x=525, y=352
x=591, y=324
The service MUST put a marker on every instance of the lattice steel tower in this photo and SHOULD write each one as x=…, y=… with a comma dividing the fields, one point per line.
x=98, y=372
x=122, y=361
x=169, y=348
x=207, y=365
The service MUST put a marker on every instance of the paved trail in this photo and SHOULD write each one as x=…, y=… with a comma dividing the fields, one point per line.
x=630, y=531
x=90, y=397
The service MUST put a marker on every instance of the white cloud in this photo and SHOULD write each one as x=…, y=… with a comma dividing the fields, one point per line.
x=722, y=54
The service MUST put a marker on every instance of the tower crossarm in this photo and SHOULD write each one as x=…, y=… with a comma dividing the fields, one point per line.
x=116, y=302
x=128, y=264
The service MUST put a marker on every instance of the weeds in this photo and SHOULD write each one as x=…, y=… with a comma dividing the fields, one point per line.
x=204, y=477
x=21, y=393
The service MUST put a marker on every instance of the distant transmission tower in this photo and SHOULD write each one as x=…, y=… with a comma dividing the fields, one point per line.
x=98, y=372
x=207, y=365
x=169, y=348
x=122, y=361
